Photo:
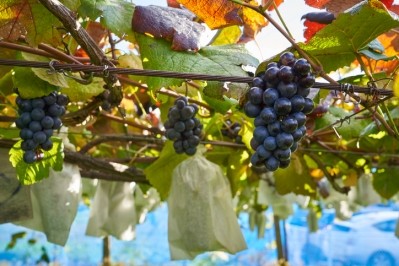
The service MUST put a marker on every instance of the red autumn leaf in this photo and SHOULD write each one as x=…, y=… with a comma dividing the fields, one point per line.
x=311, y=28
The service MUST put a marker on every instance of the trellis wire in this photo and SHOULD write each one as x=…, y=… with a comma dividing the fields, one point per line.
x=55, y=66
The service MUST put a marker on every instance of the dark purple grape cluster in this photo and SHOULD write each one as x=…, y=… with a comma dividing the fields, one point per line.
x=278, y=102
x=38, y=117
x=231, y=130
x=183, y=127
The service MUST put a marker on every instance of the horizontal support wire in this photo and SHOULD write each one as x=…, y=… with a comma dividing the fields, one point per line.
x=61, y=67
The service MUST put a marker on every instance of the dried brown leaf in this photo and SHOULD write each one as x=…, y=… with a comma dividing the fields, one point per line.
x=172, y=24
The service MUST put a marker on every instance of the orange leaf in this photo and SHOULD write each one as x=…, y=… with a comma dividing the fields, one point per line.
x=222, y=13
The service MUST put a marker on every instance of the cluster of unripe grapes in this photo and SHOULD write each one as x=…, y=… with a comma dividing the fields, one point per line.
x=183, y=127
x=231, y=130
x=278, y=102
x=38, y=117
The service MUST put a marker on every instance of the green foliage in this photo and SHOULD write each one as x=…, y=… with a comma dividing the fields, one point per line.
x=29, y=174
x=159, y=173
x=386, y=181
x=295, y=178
x=115, y=15
x=336, y=44
x=218, y=60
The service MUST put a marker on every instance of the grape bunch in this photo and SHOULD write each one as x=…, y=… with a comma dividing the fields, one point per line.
x=38, y=117
x=278, y=102
x=183, y=127
x=231, y=130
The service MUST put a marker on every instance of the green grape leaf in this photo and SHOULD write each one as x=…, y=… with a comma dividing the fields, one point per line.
x=159, y=173
x=115, y=15
x=82, y=92
x=29, y=85
x=29, y=174
x=227, y=35
x=217, y=60
x=386, y=181
x=220, y=106
x=6, y=84
x=56, y=79
x=336, y=44
x=295, y=178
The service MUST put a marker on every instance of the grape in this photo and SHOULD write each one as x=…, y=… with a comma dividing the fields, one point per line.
x=47, y=122
x=270, y=95
x=193, y=140
x=26, y=105
x=197, y=131
x=287, y=59
x=25, y=119
x=29, y=156
x=282, y=106
x=270, y=143
x=297, y=134
x=268, y=115
x=35, y=126
x=287, y=89
x=50, y=99
x=260, y=133
x=285, y=74
x=282, y=154
x=26, y=133
x=309, y=105
x=188, y=133
x=271, y=75
x=252, y=110
x=262, y=152
x=255, y=160
x=299, y=117
x=255, y=95
x=258, y=121
x=62, y=99
x=57, y=123
x=307, y=81
x=272, y=163
x=37, y=114
x=189, y=124
x=272, y=64
x=28, y=145
x=180, y=104
x=301, y=67
x=274, y=128
x=178, y=145
x=47, y=145
x=284, y=140
x=39, y=137
x=54, y=110
x=297, y=103
x=172, y=134
x=289, y=124
x=179, y=126
x=187, y=112
x=38, y=103
x=48, y=132
x=257, y=82
x=285, y=163
x=232, y=130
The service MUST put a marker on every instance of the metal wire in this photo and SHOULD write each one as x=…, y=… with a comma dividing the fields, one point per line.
x=56, y=66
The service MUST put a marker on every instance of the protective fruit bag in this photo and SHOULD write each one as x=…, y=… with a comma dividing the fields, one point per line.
x=201, y=216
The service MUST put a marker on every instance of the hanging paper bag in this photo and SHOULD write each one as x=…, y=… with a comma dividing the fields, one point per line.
x=201, y=216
